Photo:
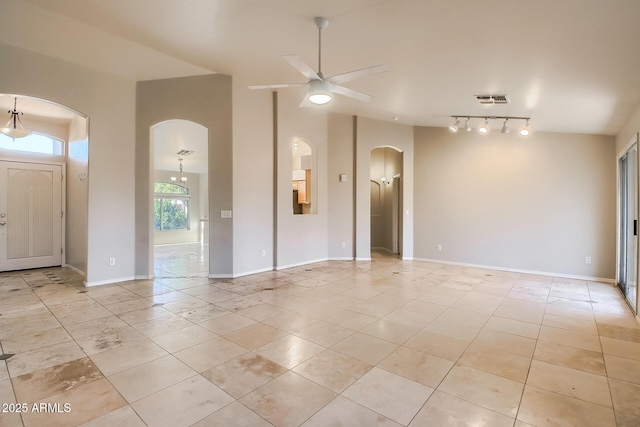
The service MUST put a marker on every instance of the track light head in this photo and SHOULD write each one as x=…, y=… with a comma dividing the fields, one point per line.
x=505, y=127
x=454, y=127
x=526, y=130
x=484, y=129
x=467, y=126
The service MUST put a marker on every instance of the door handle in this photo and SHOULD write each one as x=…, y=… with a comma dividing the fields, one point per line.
x=635, y=226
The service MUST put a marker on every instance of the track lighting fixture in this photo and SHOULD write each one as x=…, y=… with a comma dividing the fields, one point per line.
x=454, y=127
x=484, y=128
x=505, y=127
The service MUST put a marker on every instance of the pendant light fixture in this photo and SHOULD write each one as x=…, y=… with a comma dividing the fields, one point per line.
x=181, y=178
x=14, y=128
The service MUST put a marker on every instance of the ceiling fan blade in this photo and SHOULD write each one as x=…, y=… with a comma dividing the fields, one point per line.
x=299, y=64
x=306, y=103
x=352, y=75
x=351, y=93
x=277, y=86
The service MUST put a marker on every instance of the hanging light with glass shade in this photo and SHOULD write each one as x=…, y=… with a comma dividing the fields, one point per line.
x=14, y=128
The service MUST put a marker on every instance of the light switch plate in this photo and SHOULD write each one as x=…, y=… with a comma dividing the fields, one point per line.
x=343, y=177
x=225, y=214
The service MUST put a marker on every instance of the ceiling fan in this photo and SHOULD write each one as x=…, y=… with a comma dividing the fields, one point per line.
x=321, y=88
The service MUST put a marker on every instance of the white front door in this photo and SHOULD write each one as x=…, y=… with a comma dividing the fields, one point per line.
x=30, y=215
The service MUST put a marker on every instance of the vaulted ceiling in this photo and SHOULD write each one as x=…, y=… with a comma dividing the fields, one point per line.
x=572, y=65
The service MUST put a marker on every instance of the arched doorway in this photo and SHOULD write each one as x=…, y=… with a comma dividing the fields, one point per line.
x=57, y=148
x=386, y=164
x=180, y=200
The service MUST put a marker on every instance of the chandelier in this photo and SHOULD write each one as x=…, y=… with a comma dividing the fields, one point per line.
x=181, y=178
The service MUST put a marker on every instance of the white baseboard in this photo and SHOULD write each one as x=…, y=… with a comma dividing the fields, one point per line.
x=408, y=258
x=108, y=282
x=363, y=259
x=221, y=276
x=350, y=258
x=517, y=270
x=76, y=270
x=244, y=273
x=282, y=267
x=144, y=276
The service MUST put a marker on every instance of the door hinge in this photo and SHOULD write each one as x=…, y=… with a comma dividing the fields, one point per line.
x=61, y=251
x=61, y=214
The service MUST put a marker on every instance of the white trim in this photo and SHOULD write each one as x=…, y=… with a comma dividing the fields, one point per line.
x=248, y=273
x=377, y=248
x=363, y=259
x=221, y=276
x=144, y=277
x=517, y=270
x=346, y=258
x=409, y=258
x=76, y=270
x=282, y=267
x=108, y=282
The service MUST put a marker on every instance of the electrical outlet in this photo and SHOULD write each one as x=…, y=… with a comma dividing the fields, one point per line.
x=587, y=260
x=112, y=261
x=344, y=245
x=439, y=247
x=264, y=252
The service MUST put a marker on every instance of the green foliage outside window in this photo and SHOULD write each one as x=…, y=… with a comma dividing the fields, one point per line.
x=170, y=207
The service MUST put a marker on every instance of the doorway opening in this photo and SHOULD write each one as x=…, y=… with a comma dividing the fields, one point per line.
x=44, y=187
x=180, y=199
x=627, y=269
x=386, y=165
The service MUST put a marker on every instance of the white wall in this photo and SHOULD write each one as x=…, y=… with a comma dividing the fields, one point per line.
x=109, y=103
x=341, y=194
x=542, y=203
x=372, y=134
x=301, y=238
x=76, y=228
x=253, y=196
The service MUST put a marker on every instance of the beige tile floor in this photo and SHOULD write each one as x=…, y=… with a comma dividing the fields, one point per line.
x=386, y=342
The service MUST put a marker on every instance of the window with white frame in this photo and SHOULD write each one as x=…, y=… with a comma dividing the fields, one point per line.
x=170, y=206
x=33, y=143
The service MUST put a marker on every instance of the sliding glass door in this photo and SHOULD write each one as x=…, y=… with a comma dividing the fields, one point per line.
x=628, y=225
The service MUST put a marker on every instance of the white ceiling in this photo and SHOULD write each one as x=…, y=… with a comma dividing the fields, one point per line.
x=572, y=65
x=174, y=135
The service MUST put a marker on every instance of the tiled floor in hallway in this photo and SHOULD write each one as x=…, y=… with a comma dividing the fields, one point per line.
x=386, y=342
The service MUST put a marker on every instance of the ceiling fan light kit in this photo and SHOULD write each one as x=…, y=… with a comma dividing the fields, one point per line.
x=321, y=89
x=484, y=129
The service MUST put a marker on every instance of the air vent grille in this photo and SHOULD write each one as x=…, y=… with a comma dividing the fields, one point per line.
x=185, y=152
x=493, y=99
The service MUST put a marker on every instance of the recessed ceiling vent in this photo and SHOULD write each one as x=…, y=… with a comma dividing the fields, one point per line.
x=185, y=152
x=493, y=99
